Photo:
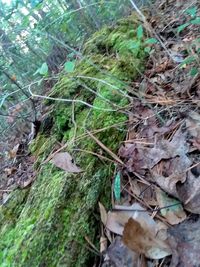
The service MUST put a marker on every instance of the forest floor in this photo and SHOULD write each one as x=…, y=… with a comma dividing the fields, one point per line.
x=154, y=220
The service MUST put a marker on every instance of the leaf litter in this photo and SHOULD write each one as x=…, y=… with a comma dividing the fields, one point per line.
x=158, y=217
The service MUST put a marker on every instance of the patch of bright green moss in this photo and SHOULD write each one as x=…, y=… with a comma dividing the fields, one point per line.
x=50, y=223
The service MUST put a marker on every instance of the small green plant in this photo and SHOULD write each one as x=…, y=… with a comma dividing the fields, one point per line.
x=194, y=20
x=43, y=70
x=148, y=43
x=69, y=66
x=193, y=50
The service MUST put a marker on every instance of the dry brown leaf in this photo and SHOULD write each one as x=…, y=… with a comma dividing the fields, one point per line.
x=103, y=213
x=140, y=157
x=174, y=171
x=174, y=214
x=10, y=171
x=26, y=182
x=63, y=160
x=169, y=184
x=13, y=152
x=141, y=240
x=103, y=243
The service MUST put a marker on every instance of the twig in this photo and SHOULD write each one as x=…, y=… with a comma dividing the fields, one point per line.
x=93, y=153
x=68, y=100
x=104, y=82
x=91, y=244
x=113, y=155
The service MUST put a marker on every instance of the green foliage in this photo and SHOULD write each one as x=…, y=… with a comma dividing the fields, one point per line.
x=193, y=21
x=69, y=66
x=182, y=27
x=43, y=70
x=140, y=32
x=192, y=11
x=191, y=60
x=33, y=32
x=151, y=41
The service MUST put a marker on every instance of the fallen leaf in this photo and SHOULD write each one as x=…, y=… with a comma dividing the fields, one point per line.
x=103, y=213
x=116, y=220
x=63, y=160
x=193, y=124
x=118, y=255
x=10, y=171
x=174, y=172
x=13, y=152
x=184, y=240
x=189, y=193
x=174, y=214
x=143, y=241
x=103, y=243
x=140, y=157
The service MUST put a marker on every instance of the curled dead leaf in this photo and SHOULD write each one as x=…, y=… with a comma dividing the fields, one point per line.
x=64, y=161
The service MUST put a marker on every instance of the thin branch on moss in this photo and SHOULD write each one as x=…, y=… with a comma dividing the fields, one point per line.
x=69, y=100
x=100, y=96
x=104, y=82
x=74, y=122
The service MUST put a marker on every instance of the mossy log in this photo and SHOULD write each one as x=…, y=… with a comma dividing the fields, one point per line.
x=46, y=224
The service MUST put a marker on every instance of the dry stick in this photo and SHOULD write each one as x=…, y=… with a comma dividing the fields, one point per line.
x=84, y=135
x=67, y=100
x=78, y=138
x=113, y=155
x=93, y=153
x=74, y=122
x=91, y=244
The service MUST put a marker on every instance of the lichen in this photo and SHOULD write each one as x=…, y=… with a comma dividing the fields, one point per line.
x=48, y=224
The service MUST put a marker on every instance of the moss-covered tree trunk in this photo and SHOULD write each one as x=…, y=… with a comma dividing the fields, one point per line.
x=46, y=225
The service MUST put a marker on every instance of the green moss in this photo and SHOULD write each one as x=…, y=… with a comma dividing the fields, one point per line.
x=47, y=226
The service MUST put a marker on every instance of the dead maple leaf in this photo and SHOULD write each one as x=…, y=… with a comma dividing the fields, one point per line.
x=140, y=157
x=64, y=161
x=141, y=240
